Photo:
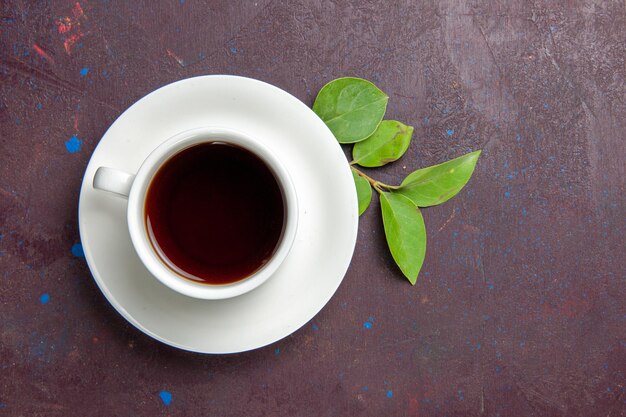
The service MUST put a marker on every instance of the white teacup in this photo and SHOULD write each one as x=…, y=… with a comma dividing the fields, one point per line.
x=135, y=187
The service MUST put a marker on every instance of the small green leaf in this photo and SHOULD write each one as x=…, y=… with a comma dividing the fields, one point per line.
x=387, y=144
x=363, y=191
x=434, y=185
x=405, y=232
x=352, y=108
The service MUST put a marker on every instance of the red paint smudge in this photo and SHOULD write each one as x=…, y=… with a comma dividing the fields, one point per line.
x=77, y=11
x=176, y=57
x=68, y=24
x=76, y=122
x=414, y=407
x=69, y=42
x=64, y=25
x=43, y=53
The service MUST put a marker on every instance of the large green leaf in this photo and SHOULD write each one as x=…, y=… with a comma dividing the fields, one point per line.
x=436, y=184
x=405, y=232
x=352, y=108
x=387, y=144
x=363, y=191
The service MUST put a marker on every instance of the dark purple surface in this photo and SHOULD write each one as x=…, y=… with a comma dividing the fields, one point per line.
x=519, y=310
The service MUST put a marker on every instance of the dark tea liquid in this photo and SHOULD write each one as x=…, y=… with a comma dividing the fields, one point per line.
x=214, y=213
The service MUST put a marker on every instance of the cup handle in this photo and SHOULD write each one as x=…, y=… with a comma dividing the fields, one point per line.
x=113, y=180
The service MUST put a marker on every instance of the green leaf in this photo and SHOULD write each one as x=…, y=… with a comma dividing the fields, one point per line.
x=352, y=108
x=387, y=144
x=363, y=191
x=405, y=232
x=436, y=184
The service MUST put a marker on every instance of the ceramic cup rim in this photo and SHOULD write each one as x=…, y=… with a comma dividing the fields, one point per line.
x=136, y=212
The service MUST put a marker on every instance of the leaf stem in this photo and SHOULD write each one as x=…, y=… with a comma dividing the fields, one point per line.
x=377, y=185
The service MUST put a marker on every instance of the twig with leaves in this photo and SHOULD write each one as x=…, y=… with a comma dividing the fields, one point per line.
x=353, y=109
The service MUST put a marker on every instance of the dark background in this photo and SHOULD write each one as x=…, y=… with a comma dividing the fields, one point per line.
x=519, y=309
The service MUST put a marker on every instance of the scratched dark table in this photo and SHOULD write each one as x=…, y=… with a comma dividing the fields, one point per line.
x=520, y=307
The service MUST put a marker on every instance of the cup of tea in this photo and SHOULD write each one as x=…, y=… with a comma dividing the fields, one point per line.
x=212, y=212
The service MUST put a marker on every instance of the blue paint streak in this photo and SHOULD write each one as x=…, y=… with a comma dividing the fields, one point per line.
x=39, y=106
x=44, y=298
x=365, y=388
x=498, y=369
x=507, y=194
x=166, y=397
x=546, y=106
x=450, y=132
x=233, y=50
x=77, y=250
x=367, y=325
x=73, y=144
x=277, y=351
x=389, y=393
x=460, y=395
x=84, y=71
x=315, y=327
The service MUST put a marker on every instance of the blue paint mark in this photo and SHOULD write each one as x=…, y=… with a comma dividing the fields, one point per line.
x=509, y=177
x=507, y=194
x=553, y=28
x=44, y=298
x=426, y=120
x=77, y=250
x=518, y=137
x=498, y=369
x=498, y=354
x=367, y=325
x=277, y=351
x=505, y=165
x=389, y=393
x=605, y=366
x=315, y=327
x=233, y=50
x=2, y=405
x=450, y=132
x=166, y=397
x=182, y=1
x=490, y=286
x=524, y=212
x=39, y=106
x=365, y=388
x=522, y=344
x=546, y=106
x=460, y=395
x=18, y=121
x=73, y=144
x=84, y=71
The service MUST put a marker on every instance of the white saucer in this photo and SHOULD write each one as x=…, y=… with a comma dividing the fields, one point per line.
x=324, y=241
